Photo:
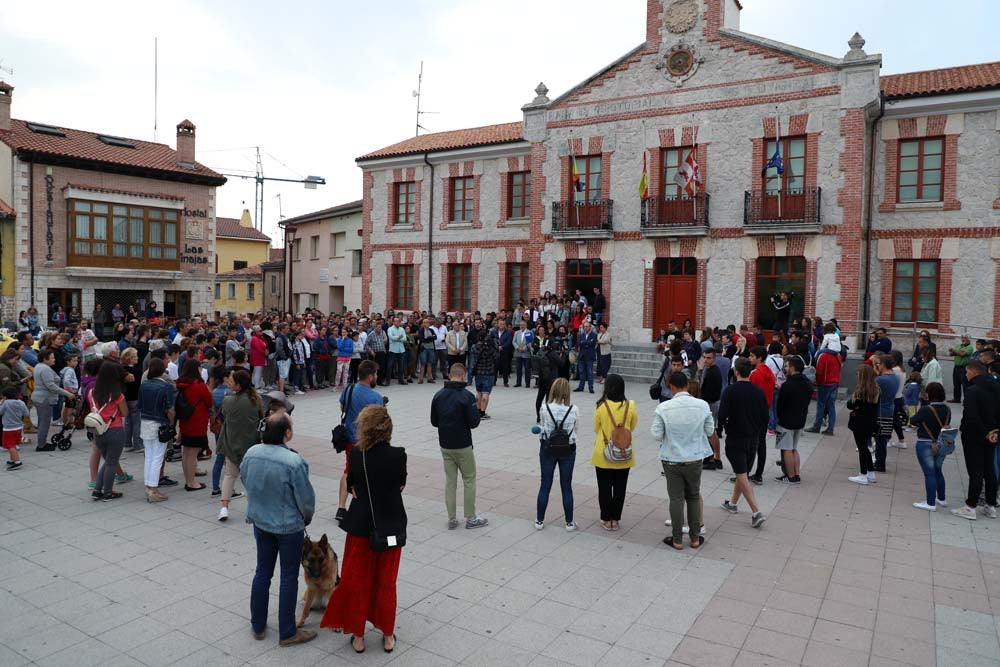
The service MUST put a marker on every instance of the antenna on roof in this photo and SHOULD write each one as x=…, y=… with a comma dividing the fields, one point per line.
x=156, y=84
x=416, y=94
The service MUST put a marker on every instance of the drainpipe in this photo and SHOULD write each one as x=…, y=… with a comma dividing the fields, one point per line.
x=430, y=244
x=31, y=231
x=866, y=312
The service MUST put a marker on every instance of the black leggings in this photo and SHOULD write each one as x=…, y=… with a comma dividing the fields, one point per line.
x=861, y=439
x=611, y=483
x=543, y=390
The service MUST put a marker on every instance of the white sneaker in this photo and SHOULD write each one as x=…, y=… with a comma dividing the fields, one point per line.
x=539, y=525
x=223, y=513
x=965, y=512
x=941, y=503
x=702, y=531
x=901, y=444
x=299, y=392
x=871, y=478
x=570, y=527
x=859, y=479
x=925, y=506
x=667, y=522
x=990, y=512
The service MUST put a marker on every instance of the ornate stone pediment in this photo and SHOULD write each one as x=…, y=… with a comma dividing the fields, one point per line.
x=681, y=16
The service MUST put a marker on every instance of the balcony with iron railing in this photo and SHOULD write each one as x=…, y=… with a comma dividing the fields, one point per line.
x=583, y=219
x=792, y=211
x=675, y=216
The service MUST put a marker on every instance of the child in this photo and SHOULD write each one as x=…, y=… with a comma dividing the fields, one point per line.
x=831, y=340
x=69, y=382
x=911, y=395
x=299, y=363
x=12, y=413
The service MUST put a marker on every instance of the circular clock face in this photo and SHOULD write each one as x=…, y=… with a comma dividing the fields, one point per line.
x=679, y=62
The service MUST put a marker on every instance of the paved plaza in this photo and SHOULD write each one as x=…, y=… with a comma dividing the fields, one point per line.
x=840, y=575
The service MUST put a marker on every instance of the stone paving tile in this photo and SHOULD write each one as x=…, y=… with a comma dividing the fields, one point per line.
x=833, y=564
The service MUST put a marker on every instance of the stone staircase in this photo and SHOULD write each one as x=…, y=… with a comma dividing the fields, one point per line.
x=638, y=363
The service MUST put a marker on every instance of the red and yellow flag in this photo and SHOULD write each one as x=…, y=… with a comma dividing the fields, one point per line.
x=644, y=180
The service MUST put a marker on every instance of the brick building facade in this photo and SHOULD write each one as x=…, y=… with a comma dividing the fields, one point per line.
x=105, y=219
x=477, y=218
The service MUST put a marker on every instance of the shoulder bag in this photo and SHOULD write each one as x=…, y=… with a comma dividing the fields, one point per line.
x=340, y=437
x=945, y=443
x=379, y=540
x=618, y=448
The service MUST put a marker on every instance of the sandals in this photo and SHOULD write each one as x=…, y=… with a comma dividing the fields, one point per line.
x=669, y=541
x=353, y=638
x=607, y=525
x=390, y=648
x=194, y=488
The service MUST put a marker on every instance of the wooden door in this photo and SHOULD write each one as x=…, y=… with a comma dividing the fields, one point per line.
x=674, y=298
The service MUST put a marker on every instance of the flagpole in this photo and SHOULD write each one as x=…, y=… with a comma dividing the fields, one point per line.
x=694, y=196
x=573, y=173
x=777, y=148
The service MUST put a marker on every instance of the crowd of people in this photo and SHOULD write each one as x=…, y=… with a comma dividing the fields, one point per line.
x=196, y=391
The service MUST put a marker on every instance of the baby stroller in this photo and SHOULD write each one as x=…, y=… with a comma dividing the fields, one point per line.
x=63, y=440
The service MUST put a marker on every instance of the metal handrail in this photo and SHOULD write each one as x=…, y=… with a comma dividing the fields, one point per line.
x=859, y=330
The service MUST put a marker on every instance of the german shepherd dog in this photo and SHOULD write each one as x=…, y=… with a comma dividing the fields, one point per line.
x=320, y=567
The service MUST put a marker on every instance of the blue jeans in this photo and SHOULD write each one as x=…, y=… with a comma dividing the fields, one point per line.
x=220, y=460
x=548, y=466
x=826, y=404
x=269, y=548
x=931, y=465
x=772, y=414
x=585, y=373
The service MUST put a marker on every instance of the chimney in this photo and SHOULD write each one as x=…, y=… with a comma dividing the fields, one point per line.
x=185, y=141
x=6, y=93
x=245, y=219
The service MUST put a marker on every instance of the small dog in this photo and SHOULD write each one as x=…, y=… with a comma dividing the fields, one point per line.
x=320, y=566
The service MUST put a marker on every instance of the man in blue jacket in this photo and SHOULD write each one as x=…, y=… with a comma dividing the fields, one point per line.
x=586, y=347
x=281, y=503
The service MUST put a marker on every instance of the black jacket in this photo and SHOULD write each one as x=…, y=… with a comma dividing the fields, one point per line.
x=454, y=414
x=793, y=401
x=711, y=384
x=864, y=417
x=387, y=471
x=980, y=409
x=743, y=411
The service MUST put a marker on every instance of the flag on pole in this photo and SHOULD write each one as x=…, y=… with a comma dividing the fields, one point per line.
x=689, y=174
x=775, y=160
x=578, y=185
x=644, y=181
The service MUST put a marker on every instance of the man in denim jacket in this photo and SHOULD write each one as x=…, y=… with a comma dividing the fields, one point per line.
x=281, y=503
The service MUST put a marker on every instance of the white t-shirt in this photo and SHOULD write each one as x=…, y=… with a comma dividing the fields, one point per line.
x=172, y=371
x=558, y=411
x=831, y=341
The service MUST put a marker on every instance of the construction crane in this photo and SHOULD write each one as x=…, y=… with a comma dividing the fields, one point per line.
x=310, y=183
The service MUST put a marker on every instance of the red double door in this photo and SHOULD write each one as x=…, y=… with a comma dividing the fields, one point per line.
x=675, y=291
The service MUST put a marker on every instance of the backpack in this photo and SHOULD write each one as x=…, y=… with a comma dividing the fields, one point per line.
x=945, y=443
x=339, y=437
x=182, y=407
x=95, y=420
x=618, y=448
x=557, y=443
x=779, y=374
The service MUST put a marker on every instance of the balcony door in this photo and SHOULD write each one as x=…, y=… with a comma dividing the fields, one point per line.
x=584, y=275
x=779, y=274
x=785, y=193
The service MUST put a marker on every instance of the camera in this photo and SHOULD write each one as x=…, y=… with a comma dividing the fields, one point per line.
x=385, y=400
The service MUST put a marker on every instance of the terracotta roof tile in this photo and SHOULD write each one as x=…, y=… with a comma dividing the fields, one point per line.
x=276, y=254
x=230, y=228
x=341, y=209
x=941, y=81
x=248, y=272
x=6, y=210
x=441, y=141
x=86, y=145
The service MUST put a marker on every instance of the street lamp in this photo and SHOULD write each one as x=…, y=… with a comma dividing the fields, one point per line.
x=289, y=245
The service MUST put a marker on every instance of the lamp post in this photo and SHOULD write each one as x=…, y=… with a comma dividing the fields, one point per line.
x=289, y=245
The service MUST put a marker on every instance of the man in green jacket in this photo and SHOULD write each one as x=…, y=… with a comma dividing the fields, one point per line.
x=961, y=354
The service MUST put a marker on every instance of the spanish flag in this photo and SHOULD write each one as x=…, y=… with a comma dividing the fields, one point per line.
x=644, y=181
x=577, y=181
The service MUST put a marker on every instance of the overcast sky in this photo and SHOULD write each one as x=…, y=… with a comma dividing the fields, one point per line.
x=316, y=84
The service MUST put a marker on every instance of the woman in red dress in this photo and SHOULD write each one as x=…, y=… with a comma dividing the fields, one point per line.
x=367, y=588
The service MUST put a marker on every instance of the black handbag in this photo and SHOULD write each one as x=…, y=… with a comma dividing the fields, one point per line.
x=379, y=540
x=340, y=437
x=166, y=433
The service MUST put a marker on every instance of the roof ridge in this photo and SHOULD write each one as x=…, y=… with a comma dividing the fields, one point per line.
x=939, y=69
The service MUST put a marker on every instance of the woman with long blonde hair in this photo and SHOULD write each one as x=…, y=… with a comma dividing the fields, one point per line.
x=558, y=413
x=864, y=407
